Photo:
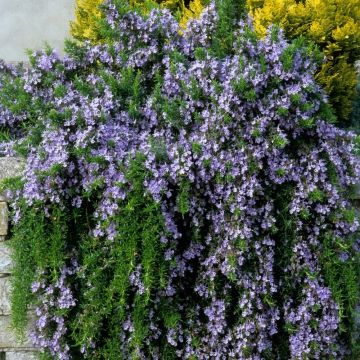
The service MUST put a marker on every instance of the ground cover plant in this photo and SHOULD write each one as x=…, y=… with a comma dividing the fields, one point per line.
x=185, y=196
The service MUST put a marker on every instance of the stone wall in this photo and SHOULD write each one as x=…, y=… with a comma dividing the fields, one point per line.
x=10, y=347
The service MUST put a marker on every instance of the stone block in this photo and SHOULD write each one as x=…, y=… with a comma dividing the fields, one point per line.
x=10, y=167
x=8, y=339
x=4, y=219
x=5, y=258
x=5, y=296
x=21, y=355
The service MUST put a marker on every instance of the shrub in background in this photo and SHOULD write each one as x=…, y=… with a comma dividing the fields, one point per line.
x=181, y=199
x=192, y=11
x=334, y=25
x=87, y=16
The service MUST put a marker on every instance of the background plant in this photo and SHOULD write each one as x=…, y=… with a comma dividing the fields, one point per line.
x=185, y=195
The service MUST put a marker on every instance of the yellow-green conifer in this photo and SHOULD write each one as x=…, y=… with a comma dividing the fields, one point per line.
x=192, y=11
x=87, y=14
x=334, y=25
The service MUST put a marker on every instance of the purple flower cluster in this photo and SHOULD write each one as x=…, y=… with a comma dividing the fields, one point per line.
x=221, y=138
x=54, y=300
x=11, y=112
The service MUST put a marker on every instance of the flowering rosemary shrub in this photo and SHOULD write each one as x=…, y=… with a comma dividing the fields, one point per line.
x=181, y=199
x=88, y=15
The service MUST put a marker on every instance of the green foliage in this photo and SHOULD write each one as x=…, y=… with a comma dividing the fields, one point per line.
x=28, y=232
x=14, y=97
x=37, y=244
x=183, y=197
x=230, y=12
x=285, y=234
x=342, y=278
x=355, y=115
x=106, y=288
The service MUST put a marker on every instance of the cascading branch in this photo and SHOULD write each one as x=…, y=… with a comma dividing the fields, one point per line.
x=181, y=202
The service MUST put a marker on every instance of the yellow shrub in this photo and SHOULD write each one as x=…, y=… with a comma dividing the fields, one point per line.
x=193, y=11
x=334, y=25
x=88, y=13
